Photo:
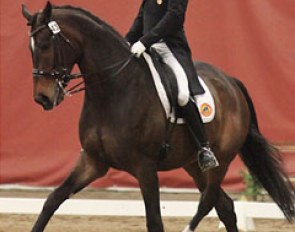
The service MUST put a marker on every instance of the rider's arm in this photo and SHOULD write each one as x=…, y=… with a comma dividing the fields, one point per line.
x=136, y=30
x=170, y=24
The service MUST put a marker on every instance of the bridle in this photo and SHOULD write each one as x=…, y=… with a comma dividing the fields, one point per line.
x=60, y=73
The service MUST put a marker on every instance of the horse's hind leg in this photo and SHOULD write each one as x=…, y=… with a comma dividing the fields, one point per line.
x=83, y=174
x=225, y=211
x=209, y=185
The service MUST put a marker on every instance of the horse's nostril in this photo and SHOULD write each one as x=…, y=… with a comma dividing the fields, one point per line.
x=40, y=98
x=44, y=101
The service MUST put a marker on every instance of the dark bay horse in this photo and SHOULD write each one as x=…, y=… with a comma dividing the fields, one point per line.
x=123, y=124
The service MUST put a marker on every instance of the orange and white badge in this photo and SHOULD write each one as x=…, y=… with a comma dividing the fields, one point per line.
x=206, y=110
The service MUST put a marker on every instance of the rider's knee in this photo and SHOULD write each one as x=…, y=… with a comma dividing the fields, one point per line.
x=183, y=98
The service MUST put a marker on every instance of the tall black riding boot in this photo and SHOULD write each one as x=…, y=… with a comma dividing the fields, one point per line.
x=206, y=157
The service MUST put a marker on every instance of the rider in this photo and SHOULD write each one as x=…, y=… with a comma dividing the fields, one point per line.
x=159, y=24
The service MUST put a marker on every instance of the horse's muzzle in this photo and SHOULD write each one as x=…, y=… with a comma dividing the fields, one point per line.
x=44, y=101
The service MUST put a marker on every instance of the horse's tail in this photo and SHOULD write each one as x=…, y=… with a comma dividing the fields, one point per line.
x=265, y=164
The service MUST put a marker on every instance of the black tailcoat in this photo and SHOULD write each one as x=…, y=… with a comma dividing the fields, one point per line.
x=164, y=21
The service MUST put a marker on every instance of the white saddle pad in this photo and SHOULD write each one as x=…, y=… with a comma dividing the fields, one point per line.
x=204, y=102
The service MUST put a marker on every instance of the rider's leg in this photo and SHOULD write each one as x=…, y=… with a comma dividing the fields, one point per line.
x=192, y=116
x=206, y=157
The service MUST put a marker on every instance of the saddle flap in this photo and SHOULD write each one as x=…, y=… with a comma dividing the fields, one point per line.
x=167, y=78
x=166, y=86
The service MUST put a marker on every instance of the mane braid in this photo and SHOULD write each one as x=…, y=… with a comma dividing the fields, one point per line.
x=96, y=19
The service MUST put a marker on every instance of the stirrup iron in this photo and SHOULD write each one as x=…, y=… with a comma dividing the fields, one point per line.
x=209, y=161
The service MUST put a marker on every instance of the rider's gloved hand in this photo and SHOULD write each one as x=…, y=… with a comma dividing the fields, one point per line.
x=138, y=48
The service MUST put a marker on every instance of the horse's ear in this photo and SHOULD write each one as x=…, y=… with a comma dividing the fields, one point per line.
x=28, y=16
x=46, y=13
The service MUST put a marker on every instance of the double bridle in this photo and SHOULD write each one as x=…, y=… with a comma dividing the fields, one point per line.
x=60, y=73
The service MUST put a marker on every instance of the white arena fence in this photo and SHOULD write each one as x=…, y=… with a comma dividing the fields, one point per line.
x=246, y=211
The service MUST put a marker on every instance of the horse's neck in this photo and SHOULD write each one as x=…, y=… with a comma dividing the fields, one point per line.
x=103, y=57
x=101, y=50
x=101, y=47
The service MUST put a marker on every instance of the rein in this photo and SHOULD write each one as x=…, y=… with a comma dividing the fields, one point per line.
x=63, y=75
x=122, y=63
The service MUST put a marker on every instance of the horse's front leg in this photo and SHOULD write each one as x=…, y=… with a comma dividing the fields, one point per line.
x=149, y=186
x=86, y=170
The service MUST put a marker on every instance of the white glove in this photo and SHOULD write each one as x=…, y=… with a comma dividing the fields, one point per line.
x=137, y=49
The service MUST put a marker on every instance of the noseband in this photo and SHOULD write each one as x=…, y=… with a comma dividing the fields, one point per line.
x=60, y=73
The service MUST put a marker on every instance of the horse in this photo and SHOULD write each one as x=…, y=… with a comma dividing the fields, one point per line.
x=123, y=124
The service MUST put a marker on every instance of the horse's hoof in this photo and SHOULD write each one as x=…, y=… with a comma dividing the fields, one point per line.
x=187, y=229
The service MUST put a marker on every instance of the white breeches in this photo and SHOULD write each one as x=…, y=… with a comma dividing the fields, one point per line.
x=181, y=78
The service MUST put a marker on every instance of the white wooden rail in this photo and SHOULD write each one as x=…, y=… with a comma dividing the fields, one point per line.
x=246, y=211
